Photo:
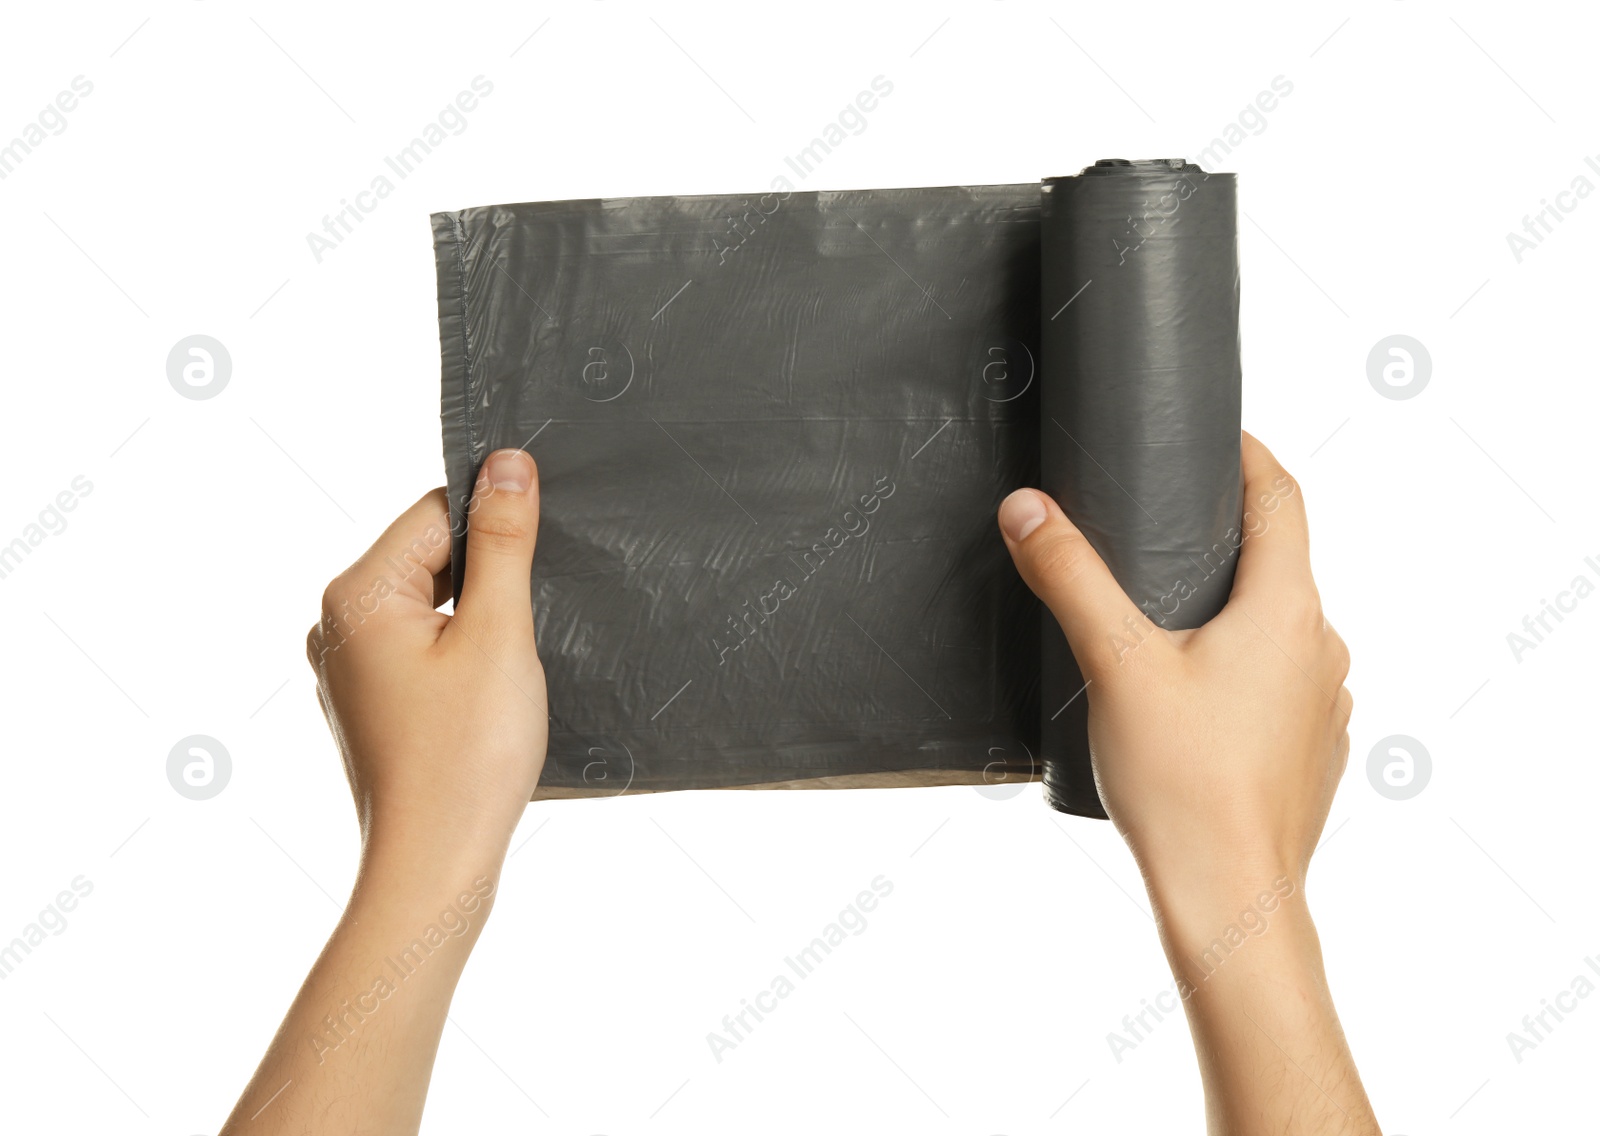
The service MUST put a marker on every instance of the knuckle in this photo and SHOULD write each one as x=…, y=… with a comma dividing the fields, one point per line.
x=337, y=594
x=1063, y=558
x=1340, y=713
x=497, y=534
x=1266, y=460
x=1300, y=613
x=1291, y=490
x=1340, y=656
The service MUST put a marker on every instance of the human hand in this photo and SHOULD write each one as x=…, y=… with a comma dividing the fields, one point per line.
x=441, y=720
x=442, y=725
x=1216, y=751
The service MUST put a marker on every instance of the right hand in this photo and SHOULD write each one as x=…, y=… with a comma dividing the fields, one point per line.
x=1217, y=750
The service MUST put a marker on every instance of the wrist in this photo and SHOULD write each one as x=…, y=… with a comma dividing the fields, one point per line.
x=1259, y=913
x=414, y=883
x=1200, y=875
x=424, y=849
x=434, y=911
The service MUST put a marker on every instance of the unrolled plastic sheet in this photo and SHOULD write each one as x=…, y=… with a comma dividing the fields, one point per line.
x=772, y=433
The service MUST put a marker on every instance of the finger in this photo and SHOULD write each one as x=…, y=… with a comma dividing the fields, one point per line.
x=1336, y=767
x=1275, y=558
x=410, y=552
x=1345, y=702
x=502, y=522
x=1338, y=655
x=1067, y=574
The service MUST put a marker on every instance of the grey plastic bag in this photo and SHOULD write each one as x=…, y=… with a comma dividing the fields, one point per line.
x=772, y=433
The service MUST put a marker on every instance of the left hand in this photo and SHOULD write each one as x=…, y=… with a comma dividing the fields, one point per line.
x=441, y=720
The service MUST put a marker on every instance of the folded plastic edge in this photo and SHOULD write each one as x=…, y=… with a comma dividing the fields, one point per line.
x=461, y=455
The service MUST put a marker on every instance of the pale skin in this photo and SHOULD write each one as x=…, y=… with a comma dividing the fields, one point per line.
x=441, y=722
x=1217, y=752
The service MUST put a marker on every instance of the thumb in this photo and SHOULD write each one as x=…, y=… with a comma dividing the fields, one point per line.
x=1067, y=574
x=502, y=522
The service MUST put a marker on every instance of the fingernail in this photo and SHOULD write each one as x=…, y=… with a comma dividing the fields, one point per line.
x=507, y=470
x=1021, y=513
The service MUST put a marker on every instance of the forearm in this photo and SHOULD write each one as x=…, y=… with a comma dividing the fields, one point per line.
x=1272, y=1055
x=355, y=1052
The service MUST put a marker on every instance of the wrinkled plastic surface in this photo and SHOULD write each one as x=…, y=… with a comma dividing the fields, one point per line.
x=772, y=433
x=1139, y=410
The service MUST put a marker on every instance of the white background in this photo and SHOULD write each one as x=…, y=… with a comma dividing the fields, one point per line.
x=1377, y=200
